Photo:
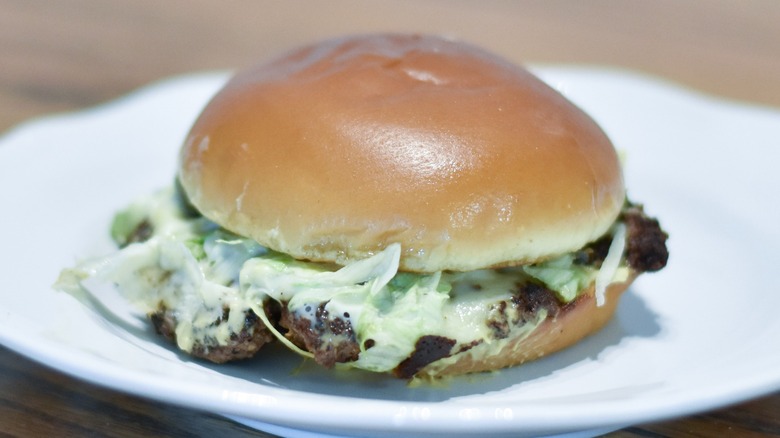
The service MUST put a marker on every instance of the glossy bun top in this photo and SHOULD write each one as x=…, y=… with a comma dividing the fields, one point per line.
x=335, y=150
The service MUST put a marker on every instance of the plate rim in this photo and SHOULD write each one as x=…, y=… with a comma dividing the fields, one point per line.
x=54, y=353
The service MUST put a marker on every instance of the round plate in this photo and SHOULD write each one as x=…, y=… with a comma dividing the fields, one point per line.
x=693, y=337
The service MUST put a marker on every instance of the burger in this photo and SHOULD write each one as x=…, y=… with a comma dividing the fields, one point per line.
x=402, y=204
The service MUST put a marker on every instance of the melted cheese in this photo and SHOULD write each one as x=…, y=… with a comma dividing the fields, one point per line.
x=197, y=270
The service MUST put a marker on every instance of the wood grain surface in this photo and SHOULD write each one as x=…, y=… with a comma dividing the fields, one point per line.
x=67, y=55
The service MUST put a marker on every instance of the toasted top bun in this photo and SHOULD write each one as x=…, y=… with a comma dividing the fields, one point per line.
x=335, y=150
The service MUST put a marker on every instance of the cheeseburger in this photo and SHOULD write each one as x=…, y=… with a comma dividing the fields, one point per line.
x=400, y=204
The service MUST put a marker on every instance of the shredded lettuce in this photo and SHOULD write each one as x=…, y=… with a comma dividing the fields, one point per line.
x=392, y=311
x=563, y=276
x=196, y=269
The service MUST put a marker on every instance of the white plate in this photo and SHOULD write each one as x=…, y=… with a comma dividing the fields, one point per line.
x=701, y=334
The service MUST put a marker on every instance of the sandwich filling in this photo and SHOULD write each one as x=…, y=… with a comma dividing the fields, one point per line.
x=221, y=297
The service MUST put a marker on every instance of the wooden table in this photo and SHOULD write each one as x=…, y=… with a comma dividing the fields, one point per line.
x=71, y=54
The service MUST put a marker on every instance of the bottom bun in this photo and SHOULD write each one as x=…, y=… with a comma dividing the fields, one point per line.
x=574, y=322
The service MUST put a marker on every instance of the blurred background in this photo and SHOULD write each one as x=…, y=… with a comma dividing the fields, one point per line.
x=66, y=54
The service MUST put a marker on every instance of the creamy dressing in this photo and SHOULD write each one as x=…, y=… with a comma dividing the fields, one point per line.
x=196, y=270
